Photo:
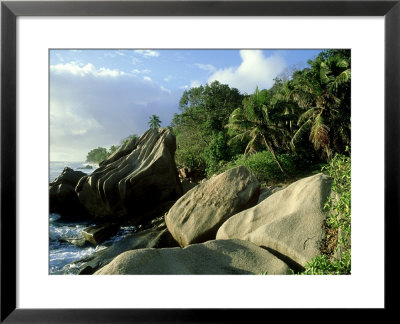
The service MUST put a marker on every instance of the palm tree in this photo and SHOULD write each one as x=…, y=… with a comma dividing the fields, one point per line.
x=286, y=109
x=323, y=92
x=253, y=122
x=154, y=122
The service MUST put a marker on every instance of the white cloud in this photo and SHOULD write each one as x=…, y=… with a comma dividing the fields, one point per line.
x=147, y=78
x=147, y=53
x=84, y=70
x=206, y=67
x=144, y=71
x=255, y=70
x=92, y=107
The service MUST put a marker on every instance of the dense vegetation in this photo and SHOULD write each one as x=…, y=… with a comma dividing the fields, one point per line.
x=283, y=133
x=300, y=126
x=301, y=122
x=200, y=128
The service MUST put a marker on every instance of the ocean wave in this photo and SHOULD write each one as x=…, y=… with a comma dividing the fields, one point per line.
x=58, y=233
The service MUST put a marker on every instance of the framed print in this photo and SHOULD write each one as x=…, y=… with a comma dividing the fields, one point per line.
x=54, y=53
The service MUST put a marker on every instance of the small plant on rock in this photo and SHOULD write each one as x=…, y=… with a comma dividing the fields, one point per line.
x=339, y=220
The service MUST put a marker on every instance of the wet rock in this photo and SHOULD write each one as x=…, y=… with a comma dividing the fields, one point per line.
x=156, y=236
x=63, y=199
x=99, y=233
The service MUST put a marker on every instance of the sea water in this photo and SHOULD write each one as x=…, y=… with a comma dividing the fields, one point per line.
x=61, y=252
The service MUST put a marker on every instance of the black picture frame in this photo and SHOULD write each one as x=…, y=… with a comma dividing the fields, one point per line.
x=10, y=10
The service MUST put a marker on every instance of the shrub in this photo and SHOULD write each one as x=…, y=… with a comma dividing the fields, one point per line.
x=324, y=265
x=216, y=154
x=263, y=165
x=339, y=218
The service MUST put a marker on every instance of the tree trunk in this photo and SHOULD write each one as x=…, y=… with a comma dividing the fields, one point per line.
x=274, y=156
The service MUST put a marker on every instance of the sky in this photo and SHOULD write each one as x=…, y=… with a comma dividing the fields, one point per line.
x=99, y=97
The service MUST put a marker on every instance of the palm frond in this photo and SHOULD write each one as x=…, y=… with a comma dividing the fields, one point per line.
x=306, y=115
x=299, y=133
x=303, y=98
x=250, y=146
x=342, y=63
x=343, y=77
x=319, y=133
x=239, y=137
x=325, y=73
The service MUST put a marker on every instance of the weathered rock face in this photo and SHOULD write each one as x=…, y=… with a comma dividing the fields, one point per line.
x=135, y=179
x=289, y=222
x=196, y=216
x=62, y=196
x=212, y=257
x=99, y=233
x=122, y=151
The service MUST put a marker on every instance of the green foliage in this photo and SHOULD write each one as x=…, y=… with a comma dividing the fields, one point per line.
x=205, y=111
x=254, y=123
x=306, y=115
x=113, y=148
x=100, y=154
x=323, y=93
x=154, y=122
x=339, y=218
x=188, y=157
x=324, y=265
x=127, y=139
x=216, y=153
x=263, y=165
x=97, y=155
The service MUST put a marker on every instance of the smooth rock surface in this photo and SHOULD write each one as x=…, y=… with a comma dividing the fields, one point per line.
x=137, y=181
x=213, y=257
x=289, y=221
x=196, y=216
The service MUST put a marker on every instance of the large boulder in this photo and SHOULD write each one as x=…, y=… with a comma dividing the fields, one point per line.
x=63, y=199
x=213, y=257
x=288, y=223
x=121, y=151
x=196, y=216
x=138, y=178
